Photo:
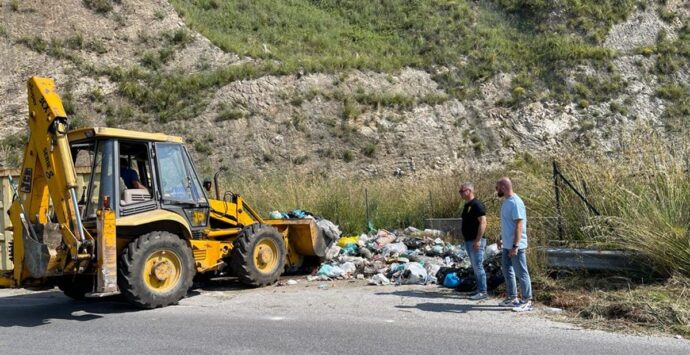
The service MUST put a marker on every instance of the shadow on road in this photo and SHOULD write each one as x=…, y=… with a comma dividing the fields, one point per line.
x=40, y=308
x=36, y=309
x=481, y=306
x=433, y=294
x=217, y=284
x=453, y=307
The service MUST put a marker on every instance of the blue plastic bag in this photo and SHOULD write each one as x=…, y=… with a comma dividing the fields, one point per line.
x=451, y=280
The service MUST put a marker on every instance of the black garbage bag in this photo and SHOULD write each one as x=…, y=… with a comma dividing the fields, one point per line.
x=494, y=275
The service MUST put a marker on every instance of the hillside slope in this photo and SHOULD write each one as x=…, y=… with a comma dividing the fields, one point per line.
x=347, y=90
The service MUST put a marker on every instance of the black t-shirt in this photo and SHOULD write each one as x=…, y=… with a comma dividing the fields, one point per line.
x=470, y=218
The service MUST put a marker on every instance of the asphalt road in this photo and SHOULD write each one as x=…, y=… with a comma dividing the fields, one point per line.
x=301, y=319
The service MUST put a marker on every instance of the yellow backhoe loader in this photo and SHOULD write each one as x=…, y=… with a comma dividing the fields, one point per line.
x=142, y=225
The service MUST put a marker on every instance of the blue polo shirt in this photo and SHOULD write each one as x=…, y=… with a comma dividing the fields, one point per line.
x=129, y=176
x=513, y=209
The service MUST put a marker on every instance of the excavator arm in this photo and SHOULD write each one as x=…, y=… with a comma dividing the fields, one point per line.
x=47, y=173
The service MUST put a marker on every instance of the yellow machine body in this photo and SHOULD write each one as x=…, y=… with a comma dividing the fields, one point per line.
x=83, y=253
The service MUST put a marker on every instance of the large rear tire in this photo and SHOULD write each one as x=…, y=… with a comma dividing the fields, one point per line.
x=258, y=256
x=156, y=270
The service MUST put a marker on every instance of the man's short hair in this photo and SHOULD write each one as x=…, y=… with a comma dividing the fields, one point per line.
x=467, y=185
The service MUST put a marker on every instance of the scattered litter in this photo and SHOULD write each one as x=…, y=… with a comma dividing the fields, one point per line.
x=330, y=231
x=412, y=273
x=292, y=282
x=379, y=279
x=384, y=237
x=323, y=287
x=451, y=280
x=343, y=241
x=275, y=215
x=348, y=268
x=332, y=252
x=350, y=249
x=360, y=276
x=330, y=271
x=491, y=251
x=318, y=278
x=552, y=310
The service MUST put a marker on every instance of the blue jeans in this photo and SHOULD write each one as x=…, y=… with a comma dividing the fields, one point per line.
x=477, y=260
x=512, y=265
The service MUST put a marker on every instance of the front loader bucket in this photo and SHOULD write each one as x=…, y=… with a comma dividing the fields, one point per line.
x=304, y=236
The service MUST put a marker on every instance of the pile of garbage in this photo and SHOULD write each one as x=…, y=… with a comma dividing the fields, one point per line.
x=409, y=256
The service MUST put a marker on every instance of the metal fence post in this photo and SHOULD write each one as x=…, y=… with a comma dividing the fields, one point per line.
x=558, y=200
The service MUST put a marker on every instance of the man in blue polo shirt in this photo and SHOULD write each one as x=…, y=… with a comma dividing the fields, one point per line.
x=129, y=175
x=514, y=243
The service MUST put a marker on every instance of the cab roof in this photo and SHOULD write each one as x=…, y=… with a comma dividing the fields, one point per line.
x=106, y=132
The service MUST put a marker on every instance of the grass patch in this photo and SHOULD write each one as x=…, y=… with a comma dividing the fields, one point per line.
x=672, y=55
x=369, y=150
x=229, y=113
x=177, y=95
x=605, y=302
x=472, y=40
x=100, y=6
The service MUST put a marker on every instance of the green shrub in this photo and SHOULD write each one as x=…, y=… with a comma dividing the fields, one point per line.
x=15, y=141
x=369, y=150
x=672, y=92
x=350, y=109
x=159, y=14
x=616, y=107
x=229, y=114
x=300, y=159
x=202, y=147
x=75, y=42
x=348, y=156
x=100, y=6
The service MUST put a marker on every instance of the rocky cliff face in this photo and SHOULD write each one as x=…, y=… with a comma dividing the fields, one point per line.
x=352, y=123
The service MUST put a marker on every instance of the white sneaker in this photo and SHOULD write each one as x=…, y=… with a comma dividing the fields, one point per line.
x=509, y=303
x=479, y=296
x=523, y=307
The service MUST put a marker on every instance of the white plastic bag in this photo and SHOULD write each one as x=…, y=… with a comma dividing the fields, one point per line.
x=414, y=273
x=348, y=268
x=379, y=279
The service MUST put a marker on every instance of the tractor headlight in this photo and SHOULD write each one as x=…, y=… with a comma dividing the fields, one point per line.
x=198, y=217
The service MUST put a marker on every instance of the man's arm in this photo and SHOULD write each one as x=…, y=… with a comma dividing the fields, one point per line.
x=518, y=231
x=480, y=233
x=518, y=236
x=481, y=229
x=138, y=185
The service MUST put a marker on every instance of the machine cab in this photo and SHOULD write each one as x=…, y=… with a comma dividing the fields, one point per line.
x=139, y=172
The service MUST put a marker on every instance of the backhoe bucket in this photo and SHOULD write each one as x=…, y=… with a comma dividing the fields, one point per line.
x=36, y=257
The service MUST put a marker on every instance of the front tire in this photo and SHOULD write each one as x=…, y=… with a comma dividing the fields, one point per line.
x=156, y=270
x=258, y=256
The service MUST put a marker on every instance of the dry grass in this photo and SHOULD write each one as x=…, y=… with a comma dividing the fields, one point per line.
x=642, y=192
x=620, y=303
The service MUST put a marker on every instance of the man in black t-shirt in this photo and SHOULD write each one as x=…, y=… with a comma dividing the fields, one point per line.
x=473, y=227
